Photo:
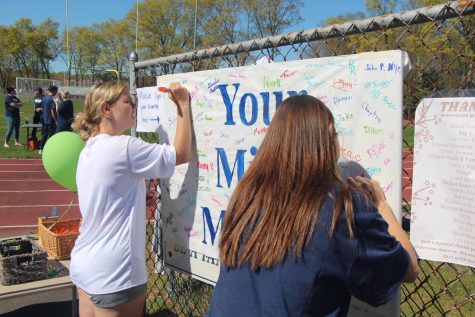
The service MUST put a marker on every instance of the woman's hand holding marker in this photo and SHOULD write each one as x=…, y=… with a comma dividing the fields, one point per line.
x=180, y=96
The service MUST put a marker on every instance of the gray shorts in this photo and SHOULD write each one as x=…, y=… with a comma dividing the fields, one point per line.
x=117, y=298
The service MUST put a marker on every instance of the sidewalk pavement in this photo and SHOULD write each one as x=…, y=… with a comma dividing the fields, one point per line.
x=53, y=304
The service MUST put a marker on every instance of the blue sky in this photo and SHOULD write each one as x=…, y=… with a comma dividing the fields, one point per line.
x=87, y=12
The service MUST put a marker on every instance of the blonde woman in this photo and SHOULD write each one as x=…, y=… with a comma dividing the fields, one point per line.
x=108, y=259
x=296, y=240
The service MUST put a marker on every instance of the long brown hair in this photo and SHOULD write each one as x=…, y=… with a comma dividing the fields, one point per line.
x=274, y=209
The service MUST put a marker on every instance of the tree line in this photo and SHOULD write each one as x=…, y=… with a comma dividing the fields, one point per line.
x=164, y=27
x=168, y=27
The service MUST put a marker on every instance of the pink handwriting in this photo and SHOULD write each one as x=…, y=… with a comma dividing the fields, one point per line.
x=342, y=85
x=286, y=74
x=190, y=232
x=388, y=188
x=376, y=149
x=205, y=166
x=259, y=131
x=240, y=75
x=194, y=92
x=350, y=154
x=216, y=201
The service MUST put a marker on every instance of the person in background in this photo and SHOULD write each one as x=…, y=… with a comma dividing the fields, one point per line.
x=38, y=111
x=49, y=115
x=108, y=259
x=12, y=114
x=296, y=239
x=65, y=113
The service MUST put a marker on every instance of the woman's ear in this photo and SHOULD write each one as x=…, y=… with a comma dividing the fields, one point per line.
x=106, y=110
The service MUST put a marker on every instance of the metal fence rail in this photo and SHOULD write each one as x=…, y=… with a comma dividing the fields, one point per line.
x=440, y=41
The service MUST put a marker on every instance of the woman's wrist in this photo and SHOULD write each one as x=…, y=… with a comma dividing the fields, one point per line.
x=383, y=206
x=185, y=105
x=183, y=108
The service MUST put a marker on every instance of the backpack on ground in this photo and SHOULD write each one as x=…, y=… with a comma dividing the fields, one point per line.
x=33, y=144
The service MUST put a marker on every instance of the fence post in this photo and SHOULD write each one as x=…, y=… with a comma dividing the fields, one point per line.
x=133, y=58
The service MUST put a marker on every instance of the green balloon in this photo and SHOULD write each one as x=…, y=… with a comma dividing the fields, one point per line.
x=61, y=156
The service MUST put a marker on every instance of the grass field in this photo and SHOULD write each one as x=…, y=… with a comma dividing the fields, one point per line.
x=26, y=113
x=408, y=136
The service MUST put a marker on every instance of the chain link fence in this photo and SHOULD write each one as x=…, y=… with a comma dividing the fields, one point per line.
x=440, y=41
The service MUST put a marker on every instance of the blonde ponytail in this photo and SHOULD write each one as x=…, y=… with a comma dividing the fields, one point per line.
x=85, y=127
x=87, y=123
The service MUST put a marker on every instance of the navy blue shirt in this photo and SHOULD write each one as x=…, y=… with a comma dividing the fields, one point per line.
x=38, y=115
x=38, y=101
x=370, y=266
x=65, y=116
x=9, y=110
x=47, y=104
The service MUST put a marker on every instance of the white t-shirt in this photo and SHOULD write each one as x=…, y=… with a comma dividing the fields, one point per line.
x=109, y=254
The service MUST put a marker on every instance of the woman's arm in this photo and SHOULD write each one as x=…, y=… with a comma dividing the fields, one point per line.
x=396, y=230
x=374, y=192
x=181, y=98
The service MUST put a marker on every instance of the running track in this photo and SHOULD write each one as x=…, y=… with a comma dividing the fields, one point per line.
x=27, y=192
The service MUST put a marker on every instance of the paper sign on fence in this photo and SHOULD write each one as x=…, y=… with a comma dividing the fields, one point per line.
x=443, y=188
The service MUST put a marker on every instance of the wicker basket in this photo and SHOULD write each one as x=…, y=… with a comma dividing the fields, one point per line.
x=57, y=243
x=43, y=219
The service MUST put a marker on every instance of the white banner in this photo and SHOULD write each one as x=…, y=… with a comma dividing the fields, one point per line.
x=232, y=109
x=443, y=188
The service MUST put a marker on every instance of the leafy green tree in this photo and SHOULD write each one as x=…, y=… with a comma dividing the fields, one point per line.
x=116, y=40
x=7, y=61
x=69, y=55
x=165, y=27
x=83, y=49
x=33, y=46
x=272, y=17
x=45, y=44
x=341, y=45
x=445, y=47
x=20, y=46
x=380, y=7
x=222, y=22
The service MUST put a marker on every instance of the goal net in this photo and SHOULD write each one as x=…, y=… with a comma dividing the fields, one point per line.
x=26, y=86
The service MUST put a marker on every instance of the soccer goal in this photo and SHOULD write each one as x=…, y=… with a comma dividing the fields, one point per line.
x=26, y=86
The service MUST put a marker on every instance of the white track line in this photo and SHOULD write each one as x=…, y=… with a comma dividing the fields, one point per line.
x=18, y=226
x=34, y=191
x=22, y=171
x=5, y=164
x=23, y=206
x=26, y=180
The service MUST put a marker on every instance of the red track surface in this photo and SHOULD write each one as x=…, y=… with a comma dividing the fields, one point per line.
x=26, y=193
